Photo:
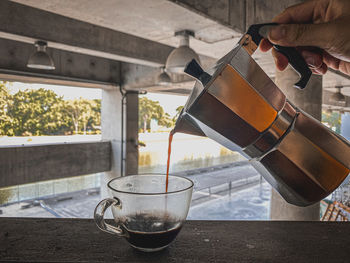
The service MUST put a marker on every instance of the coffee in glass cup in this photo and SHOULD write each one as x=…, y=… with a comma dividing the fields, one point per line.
x=147, y=216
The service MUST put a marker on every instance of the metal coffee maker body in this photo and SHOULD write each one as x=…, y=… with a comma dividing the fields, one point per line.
x=239, y=106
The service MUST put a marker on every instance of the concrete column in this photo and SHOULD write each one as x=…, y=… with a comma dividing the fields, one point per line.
x=309, y=100
x=111, y=122
x=131, y=134
x=111, y=130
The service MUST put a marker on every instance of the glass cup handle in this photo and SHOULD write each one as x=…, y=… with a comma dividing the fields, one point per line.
x=99, y=216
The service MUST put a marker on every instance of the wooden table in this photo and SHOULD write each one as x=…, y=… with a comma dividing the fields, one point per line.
x=79, y=240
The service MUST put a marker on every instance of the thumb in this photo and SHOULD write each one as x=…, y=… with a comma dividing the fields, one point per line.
x=291, y=35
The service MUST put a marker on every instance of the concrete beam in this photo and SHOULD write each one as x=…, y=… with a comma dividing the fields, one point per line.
x=262, y=11
x=34, y=163
x=230, y=13
x=139, y=76
x=328, y=102
x=135, y=77
x=27, y=24
x=237, y=14
x=72, y=69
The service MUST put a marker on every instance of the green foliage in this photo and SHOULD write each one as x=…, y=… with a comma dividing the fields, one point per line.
x=150, y=109
x=38, y=112
x=6, y=122
x=43, y=112
x=333, y=119
x=178, y=111
x=84, y=113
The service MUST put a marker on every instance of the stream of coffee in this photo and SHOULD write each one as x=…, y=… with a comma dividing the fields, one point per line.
x=168, y=162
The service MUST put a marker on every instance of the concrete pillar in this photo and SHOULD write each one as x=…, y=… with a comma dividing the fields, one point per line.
x=111, y=122
x=131, y=134
x=309, y=100
x=111, y=131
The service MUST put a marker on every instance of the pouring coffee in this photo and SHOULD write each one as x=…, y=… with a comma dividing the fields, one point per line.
x=144, y=214
x=237, y=105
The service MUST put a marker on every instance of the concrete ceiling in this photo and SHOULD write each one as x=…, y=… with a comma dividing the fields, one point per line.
x=157, y=20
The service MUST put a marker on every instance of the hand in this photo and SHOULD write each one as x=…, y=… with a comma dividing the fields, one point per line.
x=320, y=29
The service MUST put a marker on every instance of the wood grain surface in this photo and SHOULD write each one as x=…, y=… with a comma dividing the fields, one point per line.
x=79, y=240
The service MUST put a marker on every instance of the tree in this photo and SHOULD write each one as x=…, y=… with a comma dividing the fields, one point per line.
x=178, y=111
x=333, y=119
x=95, y=120
x=72, y=107
x=38, y=112
x=43, y=112
x=150, y=109
x=166, y=120
x=6, y=122
x=84, y=113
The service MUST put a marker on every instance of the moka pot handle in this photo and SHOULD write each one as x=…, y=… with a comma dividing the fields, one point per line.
x=259, y=31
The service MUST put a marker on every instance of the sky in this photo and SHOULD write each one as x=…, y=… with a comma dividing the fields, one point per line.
x=168, y=102
x=68, y=93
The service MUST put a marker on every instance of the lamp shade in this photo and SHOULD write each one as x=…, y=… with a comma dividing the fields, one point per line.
x=40, y=59
x=181, y=56
x=338, y=96
x=163, y=78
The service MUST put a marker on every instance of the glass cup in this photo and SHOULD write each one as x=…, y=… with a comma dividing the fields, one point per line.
x=145, y=215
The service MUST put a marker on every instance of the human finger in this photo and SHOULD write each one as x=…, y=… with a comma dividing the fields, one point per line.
x=314, y=60
x=321, y=70
x=331, y=61
x=292, y=35
x=335, y=63
x=344, y=67
x=265, y=45
x=281, y=61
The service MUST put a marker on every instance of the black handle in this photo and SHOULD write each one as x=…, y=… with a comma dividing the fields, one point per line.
x=259, y=31
x=195, y=70
x=298, y=63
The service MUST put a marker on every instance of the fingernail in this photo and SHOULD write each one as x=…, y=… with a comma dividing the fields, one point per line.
x=277, y=32
x=310, y=61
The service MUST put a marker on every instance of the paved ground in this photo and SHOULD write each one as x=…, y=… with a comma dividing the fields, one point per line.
x=70, y=205
x=251, y=203
x=225, y=192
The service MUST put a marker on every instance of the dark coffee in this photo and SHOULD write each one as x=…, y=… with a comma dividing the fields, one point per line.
x=150, y=231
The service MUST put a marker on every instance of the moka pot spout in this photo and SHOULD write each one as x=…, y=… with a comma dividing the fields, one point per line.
x=184, y=124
